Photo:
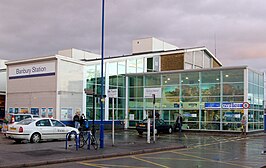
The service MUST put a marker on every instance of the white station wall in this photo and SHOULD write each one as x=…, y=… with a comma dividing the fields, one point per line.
x=32, y=92
x=70, y=88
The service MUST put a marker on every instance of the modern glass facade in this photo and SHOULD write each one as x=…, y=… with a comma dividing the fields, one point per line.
x=208, y=99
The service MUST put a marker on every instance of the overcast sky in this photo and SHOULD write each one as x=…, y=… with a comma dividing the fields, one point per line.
x=34, y=28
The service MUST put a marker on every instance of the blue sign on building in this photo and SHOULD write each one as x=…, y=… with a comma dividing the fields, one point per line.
x=227, y=105
x=212, y=105
x=232, y=105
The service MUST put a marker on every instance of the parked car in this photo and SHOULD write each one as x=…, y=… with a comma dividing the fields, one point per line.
x=160, y=126
x=1, y=124
x=15, y=118
x=38, y=129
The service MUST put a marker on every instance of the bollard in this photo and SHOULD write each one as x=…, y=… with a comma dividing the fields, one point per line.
x=148, y=130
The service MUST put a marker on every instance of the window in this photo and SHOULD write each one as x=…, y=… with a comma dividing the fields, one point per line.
x=149, y=64
x=170, y=79
x=121, y=67
x=210, y=77
x=140, y=65
x=112, y=68
x=233, y=75
x=152, y=80
x=43, y=123
x=57, y=123
x=131, y=66
x=190, y=78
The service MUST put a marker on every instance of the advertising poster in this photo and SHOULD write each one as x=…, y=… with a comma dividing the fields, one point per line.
x=69, y=115
x=50, y=112
x=63, y=113
x=131, y=117
x=34, y=111
x=16, y=110
x=10, y=110
x=24, y=110
x=66, y=113
x=43, y=112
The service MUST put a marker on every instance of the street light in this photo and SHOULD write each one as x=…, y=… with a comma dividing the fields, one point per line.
x=102, y=99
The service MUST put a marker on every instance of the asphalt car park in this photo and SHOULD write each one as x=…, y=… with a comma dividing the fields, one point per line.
x=202, y=151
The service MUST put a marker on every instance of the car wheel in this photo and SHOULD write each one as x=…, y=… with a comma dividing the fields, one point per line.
x=140, y=132
x=35, y=138
x=170, y=130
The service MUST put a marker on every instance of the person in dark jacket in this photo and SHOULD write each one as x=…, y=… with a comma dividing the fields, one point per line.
x=76, y=120
x=82, y=118
x=179, y=122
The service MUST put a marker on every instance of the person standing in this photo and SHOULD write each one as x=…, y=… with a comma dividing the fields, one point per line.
x=179, y=122
x=243, y=127
x=82, y=118
x=76, y=120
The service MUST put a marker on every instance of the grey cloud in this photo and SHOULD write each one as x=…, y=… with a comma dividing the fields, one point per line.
x=31, y=28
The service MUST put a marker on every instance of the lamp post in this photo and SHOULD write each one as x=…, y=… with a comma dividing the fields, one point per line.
x=102, y=89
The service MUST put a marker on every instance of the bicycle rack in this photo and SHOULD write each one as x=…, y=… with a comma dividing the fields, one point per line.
x=89, y=139
x=76, y=138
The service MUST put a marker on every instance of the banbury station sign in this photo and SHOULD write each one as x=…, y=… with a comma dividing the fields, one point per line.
x=34, y=70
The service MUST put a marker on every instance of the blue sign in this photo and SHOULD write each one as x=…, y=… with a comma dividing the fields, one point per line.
x=212, y=105
x=227, y=105
x=232, y=105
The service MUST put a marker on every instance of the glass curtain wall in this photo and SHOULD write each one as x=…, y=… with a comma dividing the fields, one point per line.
x=93, y=74
x=207, y=100
x=114, y=78
x=255, y=99
x=233, y=95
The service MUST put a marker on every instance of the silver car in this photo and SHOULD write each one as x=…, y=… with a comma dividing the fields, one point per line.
x=38, y=129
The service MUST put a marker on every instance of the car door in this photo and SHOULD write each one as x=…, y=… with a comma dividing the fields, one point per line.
x=60, y=129
x=44, y=126
x=163, y=126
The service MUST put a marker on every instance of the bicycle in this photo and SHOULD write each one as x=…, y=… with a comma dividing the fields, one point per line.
x=84, y=138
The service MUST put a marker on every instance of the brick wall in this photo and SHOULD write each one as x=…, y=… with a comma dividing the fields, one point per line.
x=172, y=62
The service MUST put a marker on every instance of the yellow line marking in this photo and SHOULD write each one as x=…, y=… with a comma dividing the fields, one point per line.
x=90, y=164
x=214, y=138
x=110, y=165
x=237, y=165
x=171, y=158
x=102, y=159
x=173, y=151
x=208, y=153
x=149, y=162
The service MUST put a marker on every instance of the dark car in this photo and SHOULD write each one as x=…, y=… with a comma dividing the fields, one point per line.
x=1, y=124
x=160, y=126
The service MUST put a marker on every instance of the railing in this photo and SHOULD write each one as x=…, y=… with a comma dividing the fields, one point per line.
x=68, y=136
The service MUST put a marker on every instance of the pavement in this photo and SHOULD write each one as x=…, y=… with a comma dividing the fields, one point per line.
x=127, y=142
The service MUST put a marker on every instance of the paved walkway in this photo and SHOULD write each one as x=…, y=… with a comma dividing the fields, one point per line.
x=126, y=143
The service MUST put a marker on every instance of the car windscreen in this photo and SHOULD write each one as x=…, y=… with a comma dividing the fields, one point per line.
x=19, y=118
x=151, y=120
x=26, y=122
